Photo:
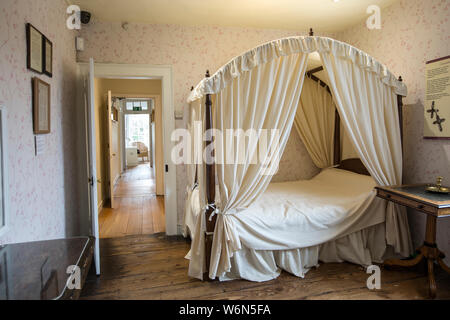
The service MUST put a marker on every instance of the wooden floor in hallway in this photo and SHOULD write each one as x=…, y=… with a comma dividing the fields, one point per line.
x=153, y=267
x=138, y=211
x=136, y=181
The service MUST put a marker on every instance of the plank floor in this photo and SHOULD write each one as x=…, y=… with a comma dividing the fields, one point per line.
x=136, y=181
x=138, y=210
x=153, y=267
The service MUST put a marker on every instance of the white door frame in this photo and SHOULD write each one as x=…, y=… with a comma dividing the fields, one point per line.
x=91, y=158
x=4, y=227
x=164, y=73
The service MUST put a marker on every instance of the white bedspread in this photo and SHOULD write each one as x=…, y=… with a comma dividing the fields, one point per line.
x=302, y=214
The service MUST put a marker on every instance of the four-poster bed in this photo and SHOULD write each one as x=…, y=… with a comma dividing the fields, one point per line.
x=237, y=233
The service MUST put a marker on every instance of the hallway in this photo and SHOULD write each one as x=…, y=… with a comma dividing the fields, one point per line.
x=138, y=210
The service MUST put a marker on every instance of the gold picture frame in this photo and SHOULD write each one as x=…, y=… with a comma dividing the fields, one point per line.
x=41, y=106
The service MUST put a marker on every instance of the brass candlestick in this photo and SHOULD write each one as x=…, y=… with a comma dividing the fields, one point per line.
x=438, y=188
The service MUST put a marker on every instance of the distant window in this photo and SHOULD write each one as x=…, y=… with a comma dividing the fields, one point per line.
x=139, y=105
x=137, y=129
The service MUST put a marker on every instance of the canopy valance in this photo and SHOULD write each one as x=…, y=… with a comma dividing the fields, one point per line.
x=289, y=46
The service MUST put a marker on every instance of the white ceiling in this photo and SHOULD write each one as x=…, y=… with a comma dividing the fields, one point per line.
x=299, y=15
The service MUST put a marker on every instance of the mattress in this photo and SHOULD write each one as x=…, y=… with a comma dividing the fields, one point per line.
x=306, y=213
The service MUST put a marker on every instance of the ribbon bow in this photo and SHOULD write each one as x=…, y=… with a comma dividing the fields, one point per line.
x=213, y=207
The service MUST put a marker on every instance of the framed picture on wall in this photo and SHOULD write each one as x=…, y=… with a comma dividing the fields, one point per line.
x=41, y=106
x=47, y=57
x=437, y=99
x=35, y=42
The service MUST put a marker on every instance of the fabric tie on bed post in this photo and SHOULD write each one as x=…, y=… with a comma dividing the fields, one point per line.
x=314, y=122
x=369, y=113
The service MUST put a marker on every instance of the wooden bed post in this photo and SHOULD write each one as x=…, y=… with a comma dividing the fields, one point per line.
x=210, y=185
x=196, y=167
x=400, y=117
x=400, y=112
x=337, y=138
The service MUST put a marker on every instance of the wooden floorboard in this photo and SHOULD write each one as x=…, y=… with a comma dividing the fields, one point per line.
x=136, y=181
x=138, y=211
x=153, y=267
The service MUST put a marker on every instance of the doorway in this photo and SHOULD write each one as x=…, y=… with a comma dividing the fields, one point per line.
x=137, y=132
x=129, y=203
x=87, y=144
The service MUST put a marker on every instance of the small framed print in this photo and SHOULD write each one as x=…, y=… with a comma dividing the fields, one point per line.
x=41, y=106
x=47, y=57
x=35, y=49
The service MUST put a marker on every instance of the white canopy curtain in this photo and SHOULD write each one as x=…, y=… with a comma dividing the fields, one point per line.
x=197, y=252
x=368, y=111
x=271, y=106
x=275, y=89
x=314, y=121
x=195, y=129
x=261, y=89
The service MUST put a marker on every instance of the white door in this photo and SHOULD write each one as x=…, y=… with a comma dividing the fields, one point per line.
x=92, y=163
x=113, y=144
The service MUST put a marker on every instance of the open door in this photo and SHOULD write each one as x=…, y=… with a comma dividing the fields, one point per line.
x=92, y=163
x=112, y=148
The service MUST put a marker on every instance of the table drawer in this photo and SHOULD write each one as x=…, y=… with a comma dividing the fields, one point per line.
x=407, y=202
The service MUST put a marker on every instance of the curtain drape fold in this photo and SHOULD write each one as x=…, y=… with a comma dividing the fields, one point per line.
x=197, y=253
x=369, y=113
x=264, y=100
x=314, y=122
x=194, y=126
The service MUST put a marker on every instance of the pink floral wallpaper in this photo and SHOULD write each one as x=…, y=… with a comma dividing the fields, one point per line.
x=413, y=32
x=43, y=191
x=43, y=197
x=190, y=51
x=296, y=163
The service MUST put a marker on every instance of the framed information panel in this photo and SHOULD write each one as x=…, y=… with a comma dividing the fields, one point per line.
x=437, y=100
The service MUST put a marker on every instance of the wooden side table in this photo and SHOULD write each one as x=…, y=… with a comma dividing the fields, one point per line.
x=435, y=206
